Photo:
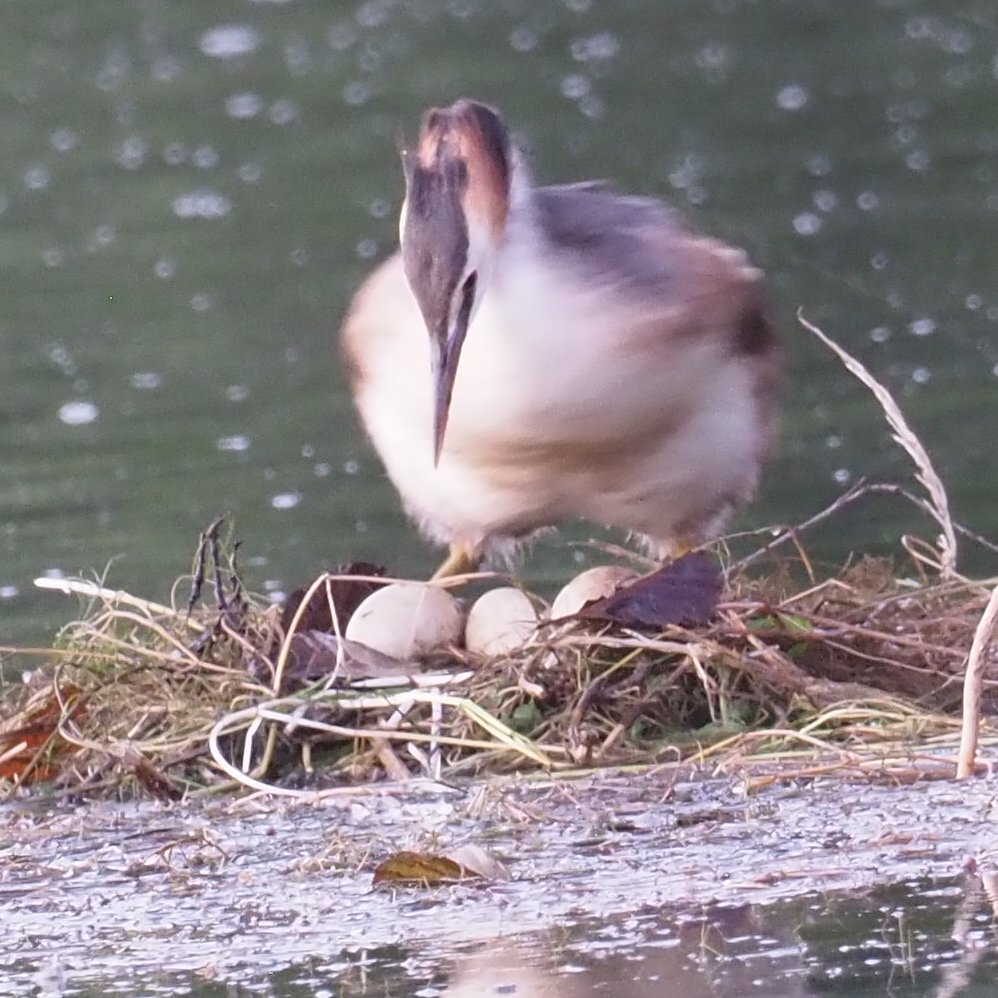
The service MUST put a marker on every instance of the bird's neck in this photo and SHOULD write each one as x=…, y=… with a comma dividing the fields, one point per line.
x=522, y=228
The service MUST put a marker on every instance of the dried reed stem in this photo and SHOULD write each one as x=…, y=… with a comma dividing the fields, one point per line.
x=903, y=434
x=973, y=683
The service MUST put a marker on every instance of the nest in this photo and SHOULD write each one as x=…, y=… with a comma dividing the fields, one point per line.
x=862, y=670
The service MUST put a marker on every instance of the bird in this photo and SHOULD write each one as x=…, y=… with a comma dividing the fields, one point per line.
x=532, y=355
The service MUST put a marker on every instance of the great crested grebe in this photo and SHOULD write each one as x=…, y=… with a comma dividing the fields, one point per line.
x=533, y=355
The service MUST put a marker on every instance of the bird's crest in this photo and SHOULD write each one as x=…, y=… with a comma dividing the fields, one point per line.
x=463, y=149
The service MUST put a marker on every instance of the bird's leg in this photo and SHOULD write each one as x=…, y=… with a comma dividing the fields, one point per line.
x=460, y=560
x=681, y=548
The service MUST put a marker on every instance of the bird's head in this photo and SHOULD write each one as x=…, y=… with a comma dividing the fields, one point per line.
x=452, y=224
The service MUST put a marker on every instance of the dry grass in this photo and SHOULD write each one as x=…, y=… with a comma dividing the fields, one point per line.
x=859, y=673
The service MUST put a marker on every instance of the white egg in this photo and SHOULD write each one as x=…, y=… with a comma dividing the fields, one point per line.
x=499, y=622
x=406, y=620
x=594, y=583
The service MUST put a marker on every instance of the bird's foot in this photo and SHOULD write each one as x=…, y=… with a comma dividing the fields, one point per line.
x=460, y=561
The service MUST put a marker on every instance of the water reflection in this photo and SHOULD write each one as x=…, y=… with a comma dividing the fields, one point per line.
x=188, y=195
x=923, y=939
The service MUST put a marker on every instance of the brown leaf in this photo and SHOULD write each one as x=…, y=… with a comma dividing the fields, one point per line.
x=685, y=591
x=414, y=869
x=346, y=594
x=37, y=726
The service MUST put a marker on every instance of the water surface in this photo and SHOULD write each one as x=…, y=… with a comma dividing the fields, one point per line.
x=189, y=194
x=625, y=885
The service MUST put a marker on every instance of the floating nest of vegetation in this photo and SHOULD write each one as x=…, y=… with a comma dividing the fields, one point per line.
x=870, y=671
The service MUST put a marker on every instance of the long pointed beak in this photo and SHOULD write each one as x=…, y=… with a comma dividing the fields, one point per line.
x=445, y=352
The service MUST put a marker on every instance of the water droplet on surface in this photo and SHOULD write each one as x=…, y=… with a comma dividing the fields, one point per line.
x=807, y=223
x=283, y=112
x=842, y=476
x=145, y=381
x=921, y=375
x=237, y=393
x=575, y=85
x=37, y=178
x=819, y=165
x=523, y=39
x=597, y=47
x=285, y=500
x=205, y=157
x=237, y=442
x=867, y=201
x=9, y=591
x=201, y=302
x=825, y=200
x=203, y=203
x=792, y=97
x=372, y=14
x=226, y=41
x=297, y=58
x=78, y=413
x=164, y=268
x=115, y=68
x=101, y=238
x=58, y=354
x=714, y=59
x=243, y=106
x=592, y=107
x=63, y=139
x=880, y=334
x=922, y=327
x=250, y=173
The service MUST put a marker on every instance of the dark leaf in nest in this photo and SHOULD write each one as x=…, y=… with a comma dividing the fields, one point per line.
x=314, y=655
x=346, y=595
x=685, y=591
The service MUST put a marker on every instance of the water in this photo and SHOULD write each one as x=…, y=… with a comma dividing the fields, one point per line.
x=189, y=194
x=624, y=885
